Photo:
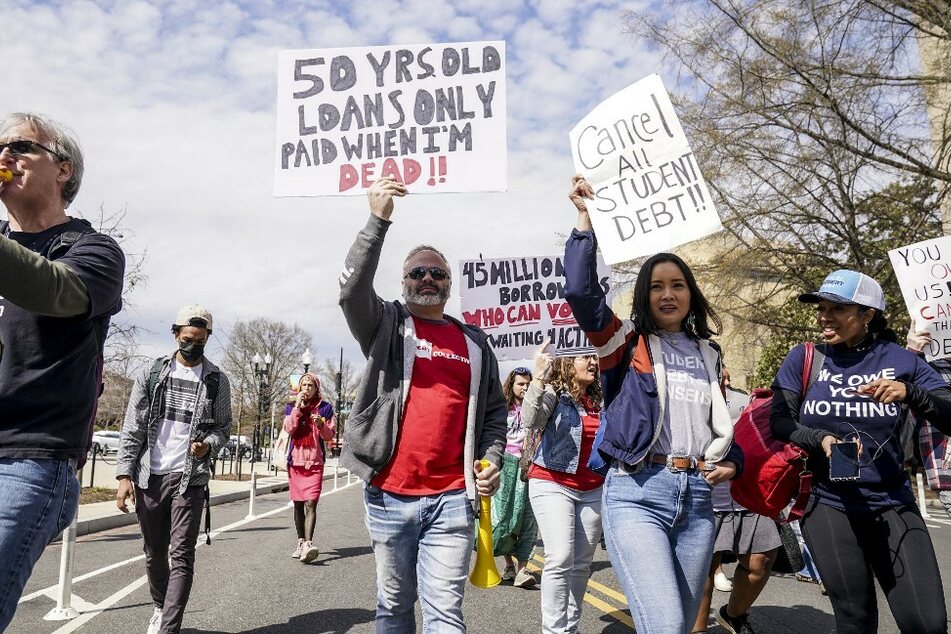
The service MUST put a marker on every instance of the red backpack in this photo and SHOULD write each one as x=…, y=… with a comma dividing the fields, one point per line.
x=774, y=471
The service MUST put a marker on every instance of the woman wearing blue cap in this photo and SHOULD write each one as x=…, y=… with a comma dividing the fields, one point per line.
x=862, y=521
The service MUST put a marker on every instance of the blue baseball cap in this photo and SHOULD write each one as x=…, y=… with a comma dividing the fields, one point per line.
x=848, y=287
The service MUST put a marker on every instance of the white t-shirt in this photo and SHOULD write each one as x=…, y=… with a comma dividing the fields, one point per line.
x=173, y=438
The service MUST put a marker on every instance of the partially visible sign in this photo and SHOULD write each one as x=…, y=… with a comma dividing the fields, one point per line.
x=519, y=302
x=923, y=270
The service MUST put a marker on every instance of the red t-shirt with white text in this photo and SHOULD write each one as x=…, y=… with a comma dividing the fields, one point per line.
x=428, y=458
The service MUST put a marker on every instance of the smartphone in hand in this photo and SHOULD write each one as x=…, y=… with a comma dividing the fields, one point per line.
x=844, y=463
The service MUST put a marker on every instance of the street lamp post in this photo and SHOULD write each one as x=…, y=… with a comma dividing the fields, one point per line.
x=338, y=405
x=307, y=358
x=261, y=369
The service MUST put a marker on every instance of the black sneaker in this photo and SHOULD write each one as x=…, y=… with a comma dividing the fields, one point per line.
x=735, y=624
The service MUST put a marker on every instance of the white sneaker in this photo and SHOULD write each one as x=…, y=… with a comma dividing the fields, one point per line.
x=722, y=583
x=155, y=623
x=297, y=551
x=309, y=553
x=524, y=579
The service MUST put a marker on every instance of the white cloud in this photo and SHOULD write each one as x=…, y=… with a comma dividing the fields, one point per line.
x=174, y=104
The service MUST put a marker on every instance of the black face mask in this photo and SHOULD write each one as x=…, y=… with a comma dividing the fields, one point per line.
x=191, y=351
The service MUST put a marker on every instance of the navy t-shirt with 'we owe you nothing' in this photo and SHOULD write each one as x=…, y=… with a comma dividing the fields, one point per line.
x=834, y=405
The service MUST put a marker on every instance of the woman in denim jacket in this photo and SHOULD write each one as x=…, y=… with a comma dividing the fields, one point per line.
x=563, y=404
x=666, y=435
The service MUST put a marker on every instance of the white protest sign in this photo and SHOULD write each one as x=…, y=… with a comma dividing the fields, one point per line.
x=923, y=270
x=430, y=115
x=520, y=301
x=649, y=193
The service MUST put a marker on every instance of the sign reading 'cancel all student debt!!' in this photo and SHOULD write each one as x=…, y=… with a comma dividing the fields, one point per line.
x=520, y=303
x=649, y=194
x=431, y=115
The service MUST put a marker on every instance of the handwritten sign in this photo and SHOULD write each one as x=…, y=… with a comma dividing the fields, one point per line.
x=432, y=116
x=923, y=270
x=649, y=193
x=519, y=302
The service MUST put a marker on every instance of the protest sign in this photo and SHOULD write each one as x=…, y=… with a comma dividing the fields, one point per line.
x=430, y=115
x=649, y=193
x=923, y=270
x=519, y=302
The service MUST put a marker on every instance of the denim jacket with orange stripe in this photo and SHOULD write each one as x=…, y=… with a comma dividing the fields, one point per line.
x=634, y=394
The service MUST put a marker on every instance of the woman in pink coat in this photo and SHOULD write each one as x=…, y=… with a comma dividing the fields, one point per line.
x=309, y=424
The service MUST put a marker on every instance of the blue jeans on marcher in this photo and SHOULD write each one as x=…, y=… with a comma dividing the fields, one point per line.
x=422, y=542
x=659, y=531
x=38, y=499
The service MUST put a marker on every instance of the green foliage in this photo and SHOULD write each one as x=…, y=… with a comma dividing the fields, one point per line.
x=899, y=214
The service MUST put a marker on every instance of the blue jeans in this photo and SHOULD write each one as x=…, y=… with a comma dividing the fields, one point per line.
x=809, y=569
x=659, y=532
x=422, y=542
x=38, y=499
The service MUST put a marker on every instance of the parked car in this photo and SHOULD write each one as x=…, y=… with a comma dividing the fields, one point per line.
x=104, y=442
x=243, y=448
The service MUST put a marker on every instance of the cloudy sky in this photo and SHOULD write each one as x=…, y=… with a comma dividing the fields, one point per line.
x=175, y=104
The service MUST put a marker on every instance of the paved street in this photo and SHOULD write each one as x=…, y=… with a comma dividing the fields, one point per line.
x=246, y=582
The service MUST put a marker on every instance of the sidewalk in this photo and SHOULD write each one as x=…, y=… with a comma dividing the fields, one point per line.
x=102, y=516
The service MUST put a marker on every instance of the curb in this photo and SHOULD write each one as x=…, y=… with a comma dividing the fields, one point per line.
x=117, y=520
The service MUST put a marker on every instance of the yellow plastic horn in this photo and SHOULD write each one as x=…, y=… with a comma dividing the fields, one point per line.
x=6, y=175
x=484, y=574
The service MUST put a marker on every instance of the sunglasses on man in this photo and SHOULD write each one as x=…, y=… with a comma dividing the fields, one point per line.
x=25, y=146
x=522, y=370
x=419, y=272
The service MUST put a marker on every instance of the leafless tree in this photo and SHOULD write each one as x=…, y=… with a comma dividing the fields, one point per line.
x=810, y=122
x=121, y=351
x=350, y=376
x=262, y=336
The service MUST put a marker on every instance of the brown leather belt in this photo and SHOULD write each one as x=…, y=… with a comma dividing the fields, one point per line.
x=679, y=463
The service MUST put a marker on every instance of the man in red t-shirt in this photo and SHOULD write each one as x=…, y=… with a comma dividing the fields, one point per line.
x=428, y=409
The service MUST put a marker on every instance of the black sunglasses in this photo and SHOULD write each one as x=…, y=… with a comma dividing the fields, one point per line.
x=24, y=146
x=522, y=370
x=419, y=272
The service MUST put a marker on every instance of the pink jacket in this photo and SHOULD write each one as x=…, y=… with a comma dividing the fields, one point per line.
x=302, y=426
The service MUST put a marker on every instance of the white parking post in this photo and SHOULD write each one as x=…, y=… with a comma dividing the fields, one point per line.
x=336, y=472
x=63, y=610
x=254, y=492
x=921, y=496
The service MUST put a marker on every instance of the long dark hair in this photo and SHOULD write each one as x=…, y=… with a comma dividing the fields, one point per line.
x=508, y=387
x=878, y=327
x=700, y=315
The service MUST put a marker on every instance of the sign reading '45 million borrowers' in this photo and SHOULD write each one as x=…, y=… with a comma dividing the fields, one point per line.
x=649, y=194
